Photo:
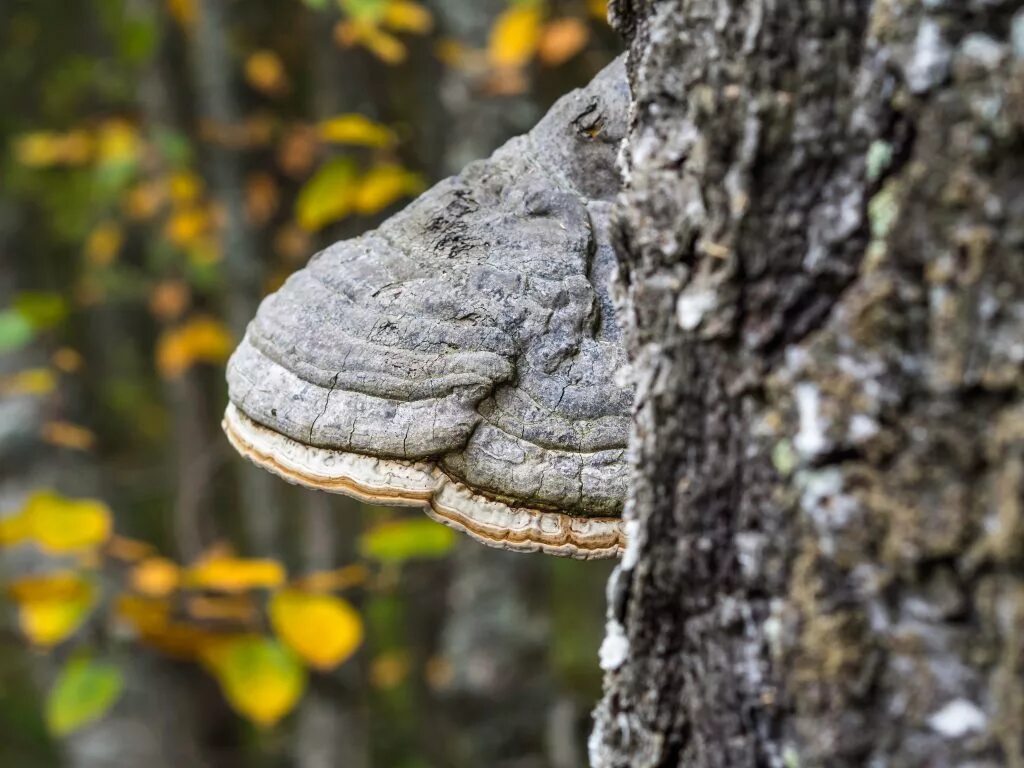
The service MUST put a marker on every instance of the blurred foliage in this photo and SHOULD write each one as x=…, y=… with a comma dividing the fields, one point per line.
x=116, y=322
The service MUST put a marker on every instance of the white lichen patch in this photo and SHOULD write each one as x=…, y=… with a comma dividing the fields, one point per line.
x=423, y=484
x=615, y=646
x=958, y=718
x=810, y=440
x=692, y=307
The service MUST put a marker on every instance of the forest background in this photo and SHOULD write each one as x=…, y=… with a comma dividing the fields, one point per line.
x=163, y=165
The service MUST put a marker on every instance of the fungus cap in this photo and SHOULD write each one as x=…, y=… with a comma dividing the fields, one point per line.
x=462, y=357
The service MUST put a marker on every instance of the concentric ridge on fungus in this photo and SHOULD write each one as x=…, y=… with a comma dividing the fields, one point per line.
x=421, y=484
x=462, y=357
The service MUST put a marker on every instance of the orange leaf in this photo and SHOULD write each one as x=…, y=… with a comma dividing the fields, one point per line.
x=561, y=40
x=64, y=434
x=199, y=340
x=169, y=299
x=155, y=577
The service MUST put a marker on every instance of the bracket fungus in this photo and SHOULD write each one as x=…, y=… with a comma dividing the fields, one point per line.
x=462, y=357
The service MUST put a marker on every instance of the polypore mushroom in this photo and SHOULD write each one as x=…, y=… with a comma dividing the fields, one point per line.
x=462, y=357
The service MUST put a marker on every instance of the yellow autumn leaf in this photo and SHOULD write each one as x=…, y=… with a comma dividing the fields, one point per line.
x=562, y=39
x=117, y=142
x=155, y=577
x=187, y=226
x=515, y=35
x=44, y=149
x=355, y=129
x=328, y=196
x=382, y=185
x=407, y=16
x=30, y=382
x=53, y=606
x=198, y=340
x=225, y=573
x=185, y=187
x=61, y=525
x=264, y=71
x=261, y=679
x=103, y=244
x=322, y=629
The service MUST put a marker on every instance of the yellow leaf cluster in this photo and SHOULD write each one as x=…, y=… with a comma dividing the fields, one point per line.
x=321, y=629
x=59, y=525
x=151, y=620
x=53, y=606
x=199, y=340
x=45, y=149
x=225, y=573
x=381, y=44
x=355, y=129
x=374, y=30
x=338, y=190
x=261, y=679
x=30, y=382
x=515, y=36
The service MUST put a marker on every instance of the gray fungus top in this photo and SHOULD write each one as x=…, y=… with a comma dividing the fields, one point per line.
x=462, y=357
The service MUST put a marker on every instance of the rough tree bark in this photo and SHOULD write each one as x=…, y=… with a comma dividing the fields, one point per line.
x=822, y=282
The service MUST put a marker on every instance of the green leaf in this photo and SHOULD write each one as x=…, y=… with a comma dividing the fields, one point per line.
x=85, y=690
x=174, y=147
x=400, y=540
x=41, y=310
x=317, y=5
x=15, y=330
x=364, y=10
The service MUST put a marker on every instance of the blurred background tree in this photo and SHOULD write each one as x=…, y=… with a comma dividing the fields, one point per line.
x=166, y=163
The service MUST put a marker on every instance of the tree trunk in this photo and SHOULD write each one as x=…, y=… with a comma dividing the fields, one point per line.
x=823, y=292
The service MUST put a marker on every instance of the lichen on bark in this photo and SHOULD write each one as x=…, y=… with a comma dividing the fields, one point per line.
x=822, y=287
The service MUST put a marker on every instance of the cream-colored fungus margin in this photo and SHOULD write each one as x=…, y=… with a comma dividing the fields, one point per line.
x=423, y=484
